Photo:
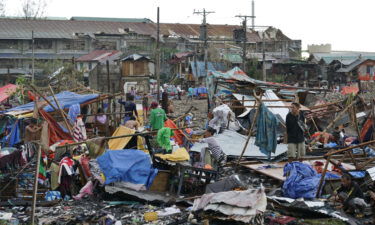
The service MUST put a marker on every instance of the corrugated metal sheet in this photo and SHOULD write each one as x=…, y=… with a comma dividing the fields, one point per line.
x=39, y=56
x=199, y=70
x=65, y=29
x=99, y=55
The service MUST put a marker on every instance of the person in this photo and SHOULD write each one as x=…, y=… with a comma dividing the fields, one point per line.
x=132, y=91
x=170, y=107
x=132, y=123
x=350, y=195
x=33, y=131
x=295, y=132
x=179, y=92
x=164, y=100
x=323, y=137
x=145, y=105
x=190, y=94
x=130, y=108
x=157, y=116
x=213, y=147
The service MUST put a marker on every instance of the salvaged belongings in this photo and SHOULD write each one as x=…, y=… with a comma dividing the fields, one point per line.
x=132, y=166
x=179, y=155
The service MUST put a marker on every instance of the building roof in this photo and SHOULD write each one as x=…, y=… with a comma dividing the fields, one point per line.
x=100, y=56
x=345, y=57
x=69, y=29
x=135, y=57
x=352, y=66
x=126, y=20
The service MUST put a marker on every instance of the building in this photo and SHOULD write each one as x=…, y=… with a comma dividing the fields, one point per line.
x=70, y=39
x=88, y=62
x=361, y=70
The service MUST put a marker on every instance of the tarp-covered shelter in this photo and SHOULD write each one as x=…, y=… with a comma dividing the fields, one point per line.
x=7, y=91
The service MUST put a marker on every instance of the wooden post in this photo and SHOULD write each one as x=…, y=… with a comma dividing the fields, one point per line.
x=322, y=177
x=249, y=134
x=62, y=113
x=356, y=123
x=108, y=85
x=35, y=189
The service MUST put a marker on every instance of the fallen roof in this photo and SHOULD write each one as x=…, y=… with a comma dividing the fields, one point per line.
x=232, y=144
x=268, y=95
x=100, y=55
x=65, y=99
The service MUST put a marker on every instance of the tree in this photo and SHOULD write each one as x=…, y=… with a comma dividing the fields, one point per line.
x=33, y=9
x=2, y=7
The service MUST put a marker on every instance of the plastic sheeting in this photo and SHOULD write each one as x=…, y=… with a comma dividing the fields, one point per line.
x=7, y=91
x=131, y=166
x=65, y=99
x=302, y=181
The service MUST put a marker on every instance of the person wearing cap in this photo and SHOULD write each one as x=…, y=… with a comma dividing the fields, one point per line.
x=157, y=116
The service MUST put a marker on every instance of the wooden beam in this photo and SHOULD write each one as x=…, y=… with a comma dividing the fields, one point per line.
x=35, y=189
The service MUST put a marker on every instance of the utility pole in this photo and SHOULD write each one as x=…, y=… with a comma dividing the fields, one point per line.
x=252, y=15
x=158, y=55
x=32, y=57
x=244, y=40
x=264, y=57
x=205, y=45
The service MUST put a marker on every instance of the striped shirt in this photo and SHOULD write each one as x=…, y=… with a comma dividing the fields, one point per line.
x=214, y=147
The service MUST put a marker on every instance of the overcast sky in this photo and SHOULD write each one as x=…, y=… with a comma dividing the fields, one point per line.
x=346, y=24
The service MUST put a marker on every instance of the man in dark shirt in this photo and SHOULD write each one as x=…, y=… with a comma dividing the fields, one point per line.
x=350, y=195
x=296, y=139
x=130, y=108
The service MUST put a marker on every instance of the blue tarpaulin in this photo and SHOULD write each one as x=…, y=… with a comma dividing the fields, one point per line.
x=133, y=166
x=302, y=181
x=65, y=99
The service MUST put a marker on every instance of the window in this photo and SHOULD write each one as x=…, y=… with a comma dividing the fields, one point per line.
x=8, y=44
x=90, y=66
x=105, y=45
x=370, y=70
x=73, y=45
x=41, y=44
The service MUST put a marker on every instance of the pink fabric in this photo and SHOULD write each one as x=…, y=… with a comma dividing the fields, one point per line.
x=7, y=91
x=85, y=190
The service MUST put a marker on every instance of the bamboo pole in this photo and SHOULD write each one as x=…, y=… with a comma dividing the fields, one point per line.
x=323, y=176
x=35, y=189
x=62, y=113
x=349, y=148
x=45, y=99
x=250, y=132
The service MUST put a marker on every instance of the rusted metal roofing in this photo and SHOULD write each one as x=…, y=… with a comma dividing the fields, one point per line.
x=100, y=55
x=66, y=29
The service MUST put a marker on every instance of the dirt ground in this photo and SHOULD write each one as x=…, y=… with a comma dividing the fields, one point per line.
x=199, y=111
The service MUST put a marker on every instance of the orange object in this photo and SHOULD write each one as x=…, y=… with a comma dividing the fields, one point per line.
x=349, y=90
x=178, y=135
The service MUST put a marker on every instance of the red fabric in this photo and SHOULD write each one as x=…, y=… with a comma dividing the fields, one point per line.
x=31, y=95
x=55, y=132
x=84, y=161
x=6, y=91
x=349, y=90
x=178, y=136
x=366, y=126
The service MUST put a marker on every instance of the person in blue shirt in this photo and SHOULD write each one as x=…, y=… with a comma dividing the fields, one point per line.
x=190, y=94
x=130, y=108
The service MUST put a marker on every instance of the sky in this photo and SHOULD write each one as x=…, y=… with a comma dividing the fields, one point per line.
x=346, y=24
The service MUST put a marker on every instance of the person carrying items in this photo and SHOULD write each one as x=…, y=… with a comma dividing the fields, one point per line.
x=130, y=108
x=157, y=117
x=295, y=128
x=350, y=195
x=214, y=149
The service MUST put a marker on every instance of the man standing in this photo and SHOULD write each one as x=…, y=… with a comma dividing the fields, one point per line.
x=190, y=94
x=295, y=128
x=130, y=108
x=157, y=117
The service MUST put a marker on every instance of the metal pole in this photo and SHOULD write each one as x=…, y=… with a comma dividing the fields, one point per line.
x=108, y=85
x=35, y=190
x=158, y=55
x=252, y=15
x=32, y=58
x=244, y=44
x=264, y=58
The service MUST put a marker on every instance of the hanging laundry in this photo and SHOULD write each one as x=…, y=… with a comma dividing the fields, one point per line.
x=55, y=132
x=74, y=111
x=79, y=130
x=266, y=138
x=163, y=138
